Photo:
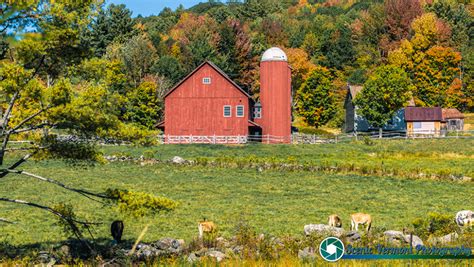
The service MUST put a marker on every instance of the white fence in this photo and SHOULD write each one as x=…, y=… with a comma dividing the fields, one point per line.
x=301, y=138
x=295, y=138
x=197, y=139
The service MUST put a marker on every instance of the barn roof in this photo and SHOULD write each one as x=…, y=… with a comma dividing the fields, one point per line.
x=354, y=90
x=423, y=114
x=452, y=113
x=221, y=72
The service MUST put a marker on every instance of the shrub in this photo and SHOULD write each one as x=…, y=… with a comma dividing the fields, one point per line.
x=138, y=203
x=368, y=141
x=435, y=224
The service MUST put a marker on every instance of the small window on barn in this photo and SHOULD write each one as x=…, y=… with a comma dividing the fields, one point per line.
x=206, y=80
x=417, y=125
x=257, y=111
x=227, y=111
x=239, y=111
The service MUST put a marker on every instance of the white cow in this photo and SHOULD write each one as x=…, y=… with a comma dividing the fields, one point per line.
x=464, y=218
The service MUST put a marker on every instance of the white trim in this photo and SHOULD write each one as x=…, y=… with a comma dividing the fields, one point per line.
x=237, y=111
x=206, y=80
x=230, y=111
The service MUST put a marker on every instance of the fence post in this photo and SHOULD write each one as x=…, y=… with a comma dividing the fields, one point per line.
x=336, y=138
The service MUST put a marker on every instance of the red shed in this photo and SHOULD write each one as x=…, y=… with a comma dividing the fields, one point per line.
x=206, y=107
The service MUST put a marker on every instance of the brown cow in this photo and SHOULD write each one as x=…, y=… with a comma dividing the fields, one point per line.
x=335, y=221
x=361, y=218
x=206, y=227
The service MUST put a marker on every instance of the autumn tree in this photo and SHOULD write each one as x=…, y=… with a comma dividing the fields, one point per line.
x=198, y=38
x=315, y=98
x=384, y=93
x=236, y=46
x=137, y=55
x=301, y=66
x=433, y=68
x=399, y=17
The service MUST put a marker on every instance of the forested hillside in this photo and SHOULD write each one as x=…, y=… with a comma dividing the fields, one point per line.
x=119, y=67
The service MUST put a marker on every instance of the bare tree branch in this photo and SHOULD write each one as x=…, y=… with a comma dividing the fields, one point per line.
x=71, y=221
x=35, y=127
x=3, y=173
x=6, y=119
x=29, y=118
x=3, y=220
x=22, y=148
x=85, y=193
x=6, y=116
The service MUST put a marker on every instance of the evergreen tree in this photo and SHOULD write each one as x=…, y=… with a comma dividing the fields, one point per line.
x=112, y=25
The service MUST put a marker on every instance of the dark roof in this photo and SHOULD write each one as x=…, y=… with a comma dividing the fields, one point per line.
x=423, y=114
x=452, y=113
x=221, y=72
x=354, y=90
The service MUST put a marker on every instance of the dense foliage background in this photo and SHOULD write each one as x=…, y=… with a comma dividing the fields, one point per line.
x=123, y=66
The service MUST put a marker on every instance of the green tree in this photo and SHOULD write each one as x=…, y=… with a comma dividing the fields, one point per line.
x=144, y=105
x=37, y=98
x=56, y=44
x=384, y=93
x=315, y=98
x=169, y=67
x=115, y=24
x=137, y=55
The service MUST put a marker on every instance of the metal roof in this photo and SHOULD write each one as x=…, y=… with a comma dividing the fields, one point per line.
x=423, y=114
x=452, y=113
x=274, y=54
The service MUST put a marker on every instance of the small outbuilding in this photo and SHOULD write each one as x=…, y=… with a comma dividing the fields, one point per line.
x=453, y=119
x=423, y=120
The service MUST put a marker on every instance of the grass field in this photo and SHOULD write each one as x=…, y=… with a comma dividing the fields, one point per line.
x=275, y=202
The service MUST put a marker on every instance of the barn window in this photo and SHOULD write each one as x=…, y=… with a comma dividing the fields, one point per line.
x=227, y=111
x=206, y=80
x=417, y=125
x=239, y=111
x=257, y=111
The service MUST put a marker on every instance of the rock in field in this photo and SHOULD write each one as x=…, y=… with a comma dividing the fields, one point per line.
x=219, y=256
x=443, y=240
x=323, y=229
x=168, y=244
x=307, y=254
x=399, y=238
x=178, y=160
x=352, y=236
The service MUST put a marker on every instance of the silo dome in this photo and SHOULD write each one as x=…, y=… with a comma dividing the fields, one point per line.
x=274, y=54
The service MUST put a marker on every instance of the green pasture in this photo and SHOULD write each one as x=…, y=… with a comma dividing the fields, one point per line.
x=274, y=202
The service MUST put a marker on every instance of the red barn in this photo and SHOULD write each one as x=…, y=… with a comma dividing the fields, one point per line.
x=208, y=107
